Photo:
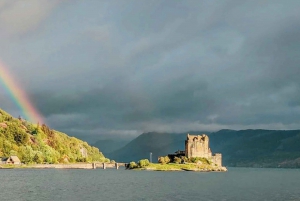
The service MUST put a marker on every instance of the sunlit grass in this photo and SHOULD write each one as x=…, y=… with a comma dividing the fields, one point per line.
x=180, y=167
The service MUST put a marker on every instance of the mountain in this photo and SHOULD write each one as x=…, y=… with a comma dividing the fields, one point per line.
x=247, y=148
x=39, y=144
x=159, y=144
x=109, y=145
x=258, y=148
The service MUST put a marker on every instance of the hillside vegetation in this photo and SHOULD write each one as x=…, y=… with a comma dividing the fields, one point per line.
x=39, y=144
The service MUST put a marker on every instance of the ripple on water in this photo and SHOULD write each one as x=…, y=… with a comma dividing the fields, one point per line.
x=237, y=184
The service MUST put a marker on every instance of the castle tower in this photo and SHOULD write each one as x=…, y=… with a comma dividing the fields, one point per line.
x=217, y=159
x=197, y=146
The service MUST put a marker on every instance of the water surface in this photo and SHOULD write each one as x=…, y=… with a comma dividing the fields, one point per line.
x=111, y=184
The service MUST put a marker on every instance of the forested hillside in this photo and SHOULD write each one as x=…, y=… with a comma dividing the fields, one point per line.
x=34, y=143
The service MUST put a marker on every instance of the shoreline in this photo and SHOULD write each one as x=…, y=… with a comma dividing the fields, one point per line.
x=180, y=170
x=180, y=167
x=62, y=166
x=90, y=166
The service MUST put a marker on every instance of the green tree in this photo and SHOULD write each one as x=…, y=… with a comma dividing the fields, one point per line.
x=21, y=137
x=38, y=157
x=13, y=153
x=26, y=154
x=7, y=146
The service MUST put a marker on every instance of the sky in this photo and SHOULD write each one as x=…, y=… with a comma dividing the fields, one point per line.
x=121, y=68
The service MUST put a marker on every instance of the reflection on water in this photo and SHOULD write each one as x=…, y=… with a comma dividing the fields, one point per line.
x=111, y=184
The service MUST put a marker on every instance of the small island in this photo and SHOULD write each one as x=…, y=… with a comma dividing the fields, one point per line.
x=197, y=156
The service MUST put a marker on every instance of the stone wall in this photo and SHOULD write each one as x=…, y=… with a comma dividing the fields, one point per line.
x=77, y=165
x=65, y=166
x=217, y=159
x=197, y=146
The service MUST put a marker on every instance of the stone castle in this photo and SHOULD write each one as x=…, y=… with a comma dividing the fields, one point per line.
x=198, y=146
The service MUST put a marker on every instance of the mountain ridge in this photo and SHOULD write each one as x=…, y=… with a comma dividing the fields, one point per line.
x=242, y=148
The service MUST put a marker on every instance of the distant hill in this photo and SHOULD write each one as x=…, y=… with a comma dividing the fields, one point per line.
x=160, y=144
x=157, y=143
x=248, y=148
x=108, y=146
x=39, y=144
x=258, y=148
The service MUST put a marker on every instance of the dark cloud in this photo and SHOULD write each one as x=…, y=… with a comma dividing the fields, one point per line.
x=136, y=66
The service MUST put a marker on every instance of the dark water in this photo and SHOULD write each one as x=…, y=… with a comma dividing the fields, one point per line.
x=237, y=184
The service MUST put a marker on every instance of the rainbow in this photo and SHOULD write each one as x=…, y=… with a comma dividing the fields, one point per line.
x=18, y=96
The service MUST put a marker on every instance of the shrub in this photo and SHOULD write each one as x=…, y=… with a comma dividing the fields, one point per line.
x=199, y=159
x=164, y=159
x=71, y=160
x=38, y=157
x=132, y=165
x=184, y=159
x=167, y=159
x=161, y=159
x=147, y=162
x=177, y=160
x=143, y=163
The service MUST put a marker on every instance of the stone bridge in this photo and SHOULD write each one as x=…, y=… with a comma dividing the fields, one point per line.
x=78, y=166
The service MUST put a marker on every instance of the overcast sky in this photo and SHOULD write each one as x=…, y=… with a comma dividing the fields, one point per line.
x=126, y=67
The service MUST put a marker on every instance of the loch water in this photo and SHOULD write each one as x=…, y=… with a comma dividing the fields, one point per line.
x=110, y=184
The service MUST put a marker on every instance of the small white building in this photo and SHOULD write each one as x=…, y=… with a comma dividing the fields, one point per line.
x=11, y=160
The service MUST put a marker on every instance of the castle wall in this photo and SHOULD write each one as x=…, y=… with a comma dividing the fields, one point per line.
x=217, y=159
x=197, y=146
x=187, y=147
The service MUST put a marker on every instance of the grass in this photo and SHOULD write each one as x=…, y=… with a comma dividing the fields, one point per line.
x=180, y=167
x=10, y=166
